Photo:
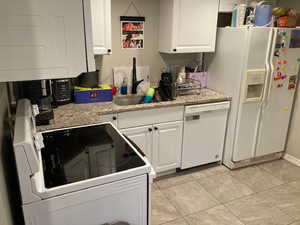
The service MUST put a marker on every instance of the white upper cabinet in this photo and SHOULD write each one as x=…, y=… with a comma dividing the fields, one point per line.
x=188, y=26
x=44, y=39
x=101, y=24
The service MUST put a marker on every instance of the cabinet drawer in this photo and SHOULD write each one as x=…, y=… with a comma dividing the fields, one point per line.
x=151, y=116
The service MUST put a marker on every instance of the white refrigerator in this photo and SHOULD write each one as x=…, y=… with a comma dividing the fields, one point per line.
x=259, y=68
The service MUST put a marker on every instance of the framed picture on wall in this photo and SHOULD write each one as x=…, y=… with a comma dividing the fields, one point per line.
x=132, y=32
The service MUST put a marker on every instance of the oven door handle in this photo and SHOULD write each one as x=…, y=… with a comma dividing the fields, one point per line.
x=135, y=146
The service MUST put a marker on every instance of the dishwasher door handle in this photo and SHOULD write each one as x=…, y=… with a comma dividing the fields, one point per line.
x=190, y=110
x=200, y=113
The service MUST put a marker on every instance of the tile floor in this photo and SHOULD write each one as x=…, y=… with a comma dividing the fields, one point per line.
x=267, y=194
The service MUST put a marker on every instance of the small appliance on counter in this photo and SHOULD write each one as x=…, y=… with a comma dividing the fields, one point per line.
x=62, y=91
x=89, y=79
x=39, y=93
x=167, y=87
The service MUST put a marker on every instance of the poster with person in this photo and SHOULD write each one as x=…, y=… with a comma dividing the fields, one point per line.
x=132, y=32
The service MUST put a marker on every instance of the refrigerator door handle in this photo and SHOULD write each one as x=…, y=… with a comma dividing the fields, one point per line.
x=269, y=68
x=272, y=68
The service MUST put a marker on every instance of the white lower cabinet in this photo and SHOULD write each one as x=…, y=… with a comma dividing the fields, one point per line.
x=161, y=143
x=167, y=145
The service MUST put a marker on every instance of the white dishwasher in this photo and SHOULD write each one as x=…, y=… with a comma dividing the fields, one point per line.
x=204, y=133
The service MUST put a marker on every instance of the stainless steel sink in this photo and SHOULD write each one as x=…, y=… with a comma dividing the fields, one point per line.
x=128, y=100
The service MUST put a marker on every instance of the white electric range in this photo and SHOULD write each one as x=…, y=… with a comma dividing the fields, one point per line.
x=88, y=175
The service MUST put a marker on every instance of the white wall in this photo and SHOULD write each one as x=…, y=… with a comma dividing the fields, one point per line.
x=147, y=57
x=5, y=212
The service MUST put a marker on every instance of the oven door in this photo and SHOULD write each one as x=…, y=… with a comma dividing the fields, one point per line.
x=120, y=201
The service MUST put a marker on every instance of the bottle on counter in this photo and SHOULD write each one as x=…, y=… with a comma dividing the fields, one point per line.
x=124, y=86
x=149, y=95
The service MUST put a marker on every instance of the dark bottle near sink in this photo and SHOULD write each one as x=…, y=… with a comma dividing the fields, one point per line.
x=135, y=82
x=167, y=87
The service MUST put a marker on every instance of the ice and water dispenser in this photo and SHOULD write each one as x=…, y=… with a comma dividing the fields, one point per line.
x=255, y=85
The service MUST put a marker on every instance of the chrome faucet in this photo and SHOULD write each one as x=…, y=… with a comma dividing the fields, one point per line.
x=135, y=82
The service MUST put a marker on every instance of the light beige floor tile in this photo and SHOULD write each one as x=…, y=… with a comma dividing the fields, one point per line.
x=283, y=170
x=154, y=187
x=177, y=222
x=295, y=185
x=256, y=178
x=173, y=180
x=209, y=171
x=255, y=210
x=285, y=197
x=215, y=216
x=225, y=188
x=296, y=223
x=190, y=198
x=162, y=210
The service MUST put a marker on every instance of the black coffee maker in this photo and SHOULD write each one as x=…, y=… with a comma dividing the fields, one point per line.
x=167, y=87
x=39, y=93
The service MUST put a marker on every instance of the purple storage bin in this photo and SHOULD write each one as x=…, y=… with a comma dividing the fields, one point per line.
x=199, y=79
x=91, y=96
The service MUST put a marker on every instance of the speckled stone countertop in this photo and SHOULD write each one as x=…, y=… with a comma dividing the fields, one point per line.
x=83, y=114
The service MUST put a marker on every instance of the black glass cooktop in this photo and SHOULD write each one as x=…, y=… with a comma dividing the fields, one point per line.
x=77, y=154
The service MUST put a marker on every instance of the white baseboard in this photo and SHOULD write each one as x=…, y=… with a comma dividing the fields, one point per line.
x=292, y=159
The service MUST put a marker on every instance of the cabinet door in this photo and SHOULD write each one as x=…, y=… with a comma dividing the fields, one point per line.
x=42, y=39
x=167, y=147
x=142, y=137
x=195, y=25
x=101, y=25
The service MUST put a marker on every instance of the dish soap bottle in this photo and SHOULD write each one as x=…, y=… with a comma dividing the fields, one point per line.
x=149, y=95
x=124, y=86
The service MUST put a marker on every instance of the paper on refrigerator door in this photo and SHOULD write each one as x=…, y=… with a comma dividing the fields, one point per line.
x=142, y=73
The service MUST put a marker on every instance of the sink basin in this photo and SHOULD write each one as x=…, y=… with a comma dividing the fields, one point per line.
x=128, y=100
